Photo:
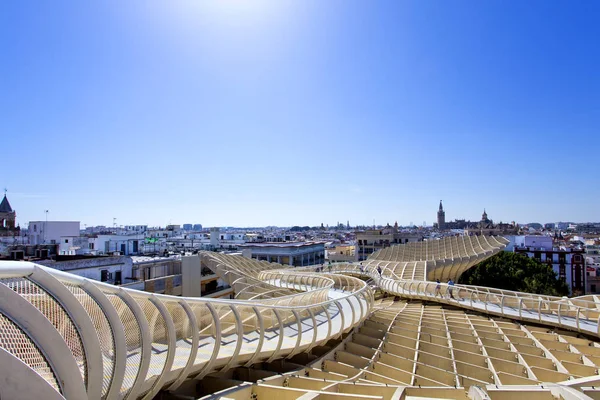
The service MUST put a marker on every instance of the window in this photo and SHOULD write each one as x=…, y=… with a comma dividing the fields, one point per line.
x=593, y=288
x=35, y=228
x=562, y=272
x=66, y=240
x=91, y=246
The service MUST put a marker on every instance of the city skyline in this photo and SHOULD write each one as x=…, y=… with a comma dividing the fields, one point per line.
x=118, y=223
x=279, y=113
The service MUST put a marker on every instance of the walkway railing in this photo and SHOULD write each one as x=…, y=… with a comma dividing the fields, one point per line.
x=569, y=313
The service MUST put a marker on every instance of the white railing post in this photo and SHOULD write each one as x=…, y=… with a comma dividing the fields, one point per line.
x=194, y=346
x=329, y=324
x=353, y=311
x=240, y=338
x=520, y=307
x=315, y=328
x=48, y=340
x=343, y=318
x=145, y=342
x=118, y=332
x=171, y=346
x=25, y=382
x=486, y=300
x=261, y=336
x=83, y=324
x=362, y=310
x=299, y=339
x=217, y=346
x=281, y=336
x=559, y=311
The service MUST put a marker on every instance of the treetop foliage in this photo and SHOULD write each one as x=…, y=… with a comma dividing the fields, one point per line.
x=513, y=271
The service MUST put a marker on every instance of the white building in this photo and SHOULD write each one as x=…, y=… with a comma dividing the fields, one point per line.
x=136, y=228
x=73, y=245
x=115, y=270
x=567, y=262
x=123, y=244
x=51, y=232
x=297, y=254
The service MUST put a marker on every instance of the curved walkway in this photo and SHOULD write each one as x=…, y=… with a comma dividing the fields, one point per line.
x=576, y=314
x=87, y=339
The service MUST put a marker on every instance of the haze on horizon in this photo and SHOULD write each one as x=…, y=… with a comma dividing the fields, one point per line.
x=233, y=113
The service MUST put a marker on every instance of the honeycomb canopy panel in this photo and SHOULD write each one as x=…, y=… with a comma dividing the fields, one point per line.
x=444, y=259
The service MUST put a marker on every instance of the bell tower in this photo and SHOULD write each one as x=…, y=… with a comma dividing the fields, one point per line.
x=8, y=216
x=441, y=217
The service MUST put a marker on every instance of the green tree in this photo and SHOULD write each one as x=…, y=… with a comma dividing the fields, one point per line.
x=512, y=271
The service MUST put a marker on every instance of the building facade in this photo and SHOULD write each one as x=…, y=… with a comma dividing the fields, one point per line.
x=567, y=262
x=342, y=253
x=297, y=254
x=371, y=240
x=487, y=227
x=51, y=232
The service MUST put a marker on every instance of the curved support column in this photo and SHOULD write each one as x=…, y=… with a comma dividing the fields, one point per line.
x=299, y=340
x=83, y=324
x=343, y=322
x=281, y=336
x=145, y=341
x=116, y=327
x=239, y=341
x=217, y=345
x=46, y=337
x=19, y=382
x=261, y=336
x=315, y=330
x=329, y=325
x=193, y=347
x=362, y=310
x=353, y=312
x=171, y=347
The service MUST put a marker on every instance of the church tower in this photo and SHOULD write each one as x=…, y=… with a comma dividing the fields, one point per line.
x=441, y=218
x=484, y=216
x=7, y=215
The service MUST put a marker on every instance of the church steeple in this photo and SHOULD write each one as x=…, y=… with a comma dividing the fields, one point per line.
x=441, y=217
x=5, y=205
x=7, y=215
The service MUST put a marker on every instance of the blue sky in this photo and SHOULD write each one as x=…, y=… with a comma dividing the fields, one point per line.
x=300, y=112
